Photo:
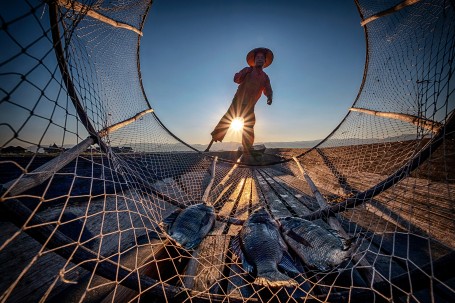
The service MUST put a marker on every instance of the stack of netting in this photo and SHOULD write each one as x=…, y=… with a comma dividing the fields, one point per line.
x=89, y=172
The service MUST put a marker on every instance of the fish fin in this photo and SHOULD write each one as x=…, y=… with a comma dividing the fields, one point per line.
x=287, y=264
x=247, y=266
x=274, y=279
x=205, y=220
x=293, y=235
x=334, y=232
x=237, y=249
x=321, y=267
x=169, y=220
x=144, y=239
x=235, y=246
x=193, y=244
x=347, y=243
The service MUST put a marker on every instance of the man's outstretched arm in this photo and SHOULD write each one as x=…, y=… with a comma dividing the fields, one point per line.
x=240, y=76
x=268, y=91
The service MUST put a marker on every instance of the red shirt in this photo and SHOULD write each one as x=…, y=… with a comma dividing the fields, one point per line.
x=253, y=82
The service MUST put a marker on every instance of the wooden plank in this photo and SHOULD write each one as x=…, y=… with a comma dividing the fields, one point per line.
x=228, y=207
x=106, y=131
x=389, y=11
x=243, y=207
x=87, y=10
x=47, y=170
x=172, y=189
x=195, y=181
x=221, y=187
x=277, y=209
x=138, y=260
x=282, y=191
x=131, y=257
x=205, y=270
x=418, y=121
x=56, y=241
x=294, y=186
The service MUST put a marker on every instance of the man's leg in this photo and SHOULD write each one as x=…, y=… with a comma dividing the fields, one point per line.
x=222, y=127
x=248, y=132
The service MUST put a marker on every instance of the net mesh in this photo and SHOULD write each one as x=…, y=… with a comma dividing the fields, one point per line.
x=89, y=171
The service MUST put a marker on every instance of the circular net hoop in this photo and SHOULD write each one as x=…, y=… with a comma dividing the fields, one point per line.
x=89, y=172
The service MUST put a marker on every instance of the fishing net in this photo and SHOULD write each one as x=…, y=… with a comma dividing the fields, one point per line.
x=89, y=171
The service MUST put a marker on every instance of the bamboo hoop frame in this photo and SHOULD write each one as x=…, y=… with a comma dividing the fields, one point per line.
x=88, y=11
x=389, y=11
x=421, y=122
x=104, y=132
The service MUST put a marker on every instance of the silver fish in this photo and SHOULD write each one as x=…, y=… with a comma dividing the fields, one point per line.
x=262, y=250
x=315, y=245
x=189, y=226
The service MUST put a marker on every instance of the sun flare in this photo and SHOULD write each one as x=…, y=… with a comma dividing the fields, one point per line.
x=237, y=124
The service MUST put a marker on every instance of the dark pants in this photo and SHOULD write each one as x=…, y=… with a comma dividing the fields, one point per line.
x=233, y=112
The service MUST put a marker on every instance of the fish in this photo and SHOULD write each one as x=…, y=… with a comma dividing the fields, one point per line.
x=262, y=251
x=188, y=227
x=317, y=246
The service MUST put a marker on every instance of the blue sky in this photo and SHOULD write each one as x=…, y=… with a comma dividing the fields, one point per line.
x=191, y=50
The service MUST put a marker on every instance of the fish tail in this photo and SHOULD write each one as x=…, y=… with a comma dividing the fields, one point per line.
x=274, y=279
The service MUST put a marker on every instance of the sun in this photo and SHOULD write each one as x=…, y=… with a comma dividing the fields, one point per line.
x=237, y=124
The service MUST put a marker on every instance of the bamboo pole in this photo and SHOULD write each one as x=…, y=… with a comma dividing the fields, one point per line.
x=87, y=10
x=389, y=11
x=336, y=225
x=104, y=132
x=45, y=171
x=422, y=122
x=209, y=187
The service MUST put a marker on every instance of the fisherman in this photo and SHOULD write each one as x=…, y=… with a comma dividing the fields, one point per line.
x=253, y=81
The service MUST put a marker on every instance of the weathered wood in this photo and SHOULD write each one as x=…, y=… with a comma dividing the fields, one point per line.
x=172, y=189
x=221, y=186
x=417, y=205
x=242, y=208
x=65, y=247
x=286, y=195
x=47, y=170
x=418, y=121
x=212, y=179
x=194, y=182
x=104, y=132
x=139, y=259
x=289, y=184
x=389, y=11
x=205, y=270
x=87, y=10
x=228, y=208
x=276, y=207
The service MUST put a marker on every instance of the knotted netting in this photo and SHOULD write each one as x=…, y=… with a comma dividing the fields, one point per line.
x=89, y=172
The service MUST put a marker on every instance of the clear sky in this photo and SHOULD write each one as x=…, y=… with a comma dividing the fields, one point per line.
x=191, y=50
